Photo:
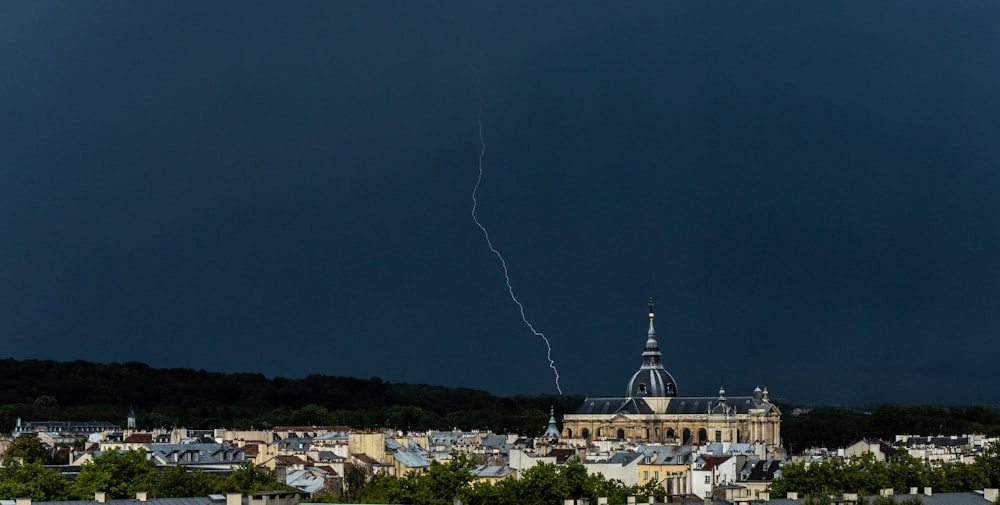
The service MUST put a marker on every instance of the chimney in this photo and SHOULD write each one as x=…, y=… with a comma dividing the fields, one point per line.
x=22, y=501
x=991, y=494
x=928, y=491
x=914, y=490
x=630, y=500
x=234, y=499
x=603, y=500
x=764, y=496
x=792, y=495
x=140, y=496
x=100, y=496
x=851, y=497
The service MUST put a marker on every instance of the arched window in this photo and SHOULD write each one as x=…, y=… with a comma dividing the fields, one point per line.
x=670, y=433
x=739, y=436
x=686, y=436
x=585, y=433
x=569, y=433
x=621, y=434
x=702, y=436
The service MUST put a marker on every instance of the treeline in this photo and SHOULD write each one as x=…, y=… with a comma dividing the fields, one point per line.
x=123, y=474
x=867, y=475
x=444, y=482
x=86, y=391
x=837, y=427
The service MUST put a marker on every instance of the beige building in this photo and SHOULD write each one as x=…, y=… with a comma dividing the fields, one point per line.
x=651, y=412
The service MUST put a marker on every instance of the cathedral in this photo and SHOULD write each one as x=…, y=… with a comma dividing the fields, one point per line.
x=652, y=412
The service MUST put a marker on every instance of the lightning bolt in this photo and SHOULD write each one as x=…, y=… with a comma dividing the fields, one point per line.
x=503, y=263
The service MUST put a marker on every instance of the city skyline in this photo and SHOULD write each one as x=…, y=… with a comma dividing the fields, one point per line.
x=807, y=190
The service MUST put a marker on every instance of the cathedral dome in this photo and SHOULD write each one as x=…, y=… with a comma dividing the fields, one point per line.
x=651, y=379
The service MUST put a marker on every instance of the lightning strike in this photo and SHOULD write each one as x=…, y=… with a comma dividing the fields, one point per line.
x=503, y=263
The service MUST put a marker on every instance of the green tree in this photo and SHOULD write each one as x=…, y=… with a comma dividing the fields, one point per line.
x=906, y=471
x=989, y=461
x=356, y=478
x=179, y=481
x=865, y=475
x=446, y=481
x=29, y=449
x=542, y=484
x=958, y=477
x=119, y=474
x=32, y=480
x=250, y=478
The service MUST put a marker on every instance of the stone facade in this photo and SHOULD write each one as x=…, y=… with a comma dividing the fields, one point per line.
x=661, y=417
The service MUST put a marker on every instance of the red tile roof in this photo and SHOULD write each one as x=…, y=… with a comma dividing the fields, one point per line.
x=328, y=469
x=312, y=428
x=290, y=460
x=364, y=458
x=139, y=438
x=713, y=461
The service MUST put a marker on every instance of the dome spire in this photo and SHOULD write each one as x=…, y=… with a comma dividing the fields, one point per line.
x=652, y=332
x=552, y=431
x=652, y=379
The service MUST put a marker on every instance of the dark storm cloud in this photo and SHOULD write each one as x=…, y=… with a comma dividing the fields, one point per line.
x=808, y=189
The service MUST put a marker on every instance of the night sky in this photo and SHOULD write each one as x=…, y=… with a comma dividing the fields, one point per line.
x=809, y=190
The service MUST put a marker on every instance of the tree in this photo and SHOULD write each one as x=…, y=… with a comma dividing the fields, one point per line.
x=119, y=474
x=178, y=481
x=31, y=480
x=866, y=475
x=356, y=477
x=250, y=478
x=29, y=449
x=542, y=484
x=989, y=461
x=906, y=471
x=446, y=481
x=958, y=477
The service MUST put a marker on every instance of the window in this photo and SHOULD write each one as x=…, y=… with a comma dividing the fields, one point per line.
x=656, y=476
x=645, y=475
x=718, y=436
x=708, y=479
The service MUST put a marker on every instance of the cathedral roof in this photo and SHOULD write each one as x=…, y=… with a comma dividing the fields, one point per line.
x=704, y=404
x=614, y=405
x=675, y=405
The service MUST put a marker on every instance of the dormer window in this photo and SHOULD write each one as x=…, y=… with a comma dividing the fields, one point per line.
x=642, y=389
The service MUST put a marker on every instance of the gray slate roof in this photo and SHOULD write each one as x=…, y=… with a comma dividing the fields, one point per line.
x=676, y=405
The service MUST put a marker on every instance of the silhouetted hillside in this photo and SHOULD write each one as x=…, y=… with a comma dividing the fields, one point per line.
x=82, y=390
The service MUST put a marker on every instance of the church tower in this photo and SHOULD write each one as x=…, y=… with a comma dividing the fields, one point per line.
x=651, y=379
